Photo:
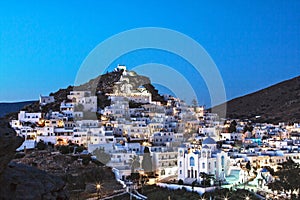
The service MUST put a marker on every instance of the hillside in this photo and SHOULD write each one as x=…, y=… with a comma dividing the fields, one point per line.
x=12, y=107
x=99, y=86
x=277, y=103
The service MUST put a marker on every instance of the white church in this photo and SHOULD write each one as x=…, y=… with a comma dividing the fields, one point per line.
x=207, y=158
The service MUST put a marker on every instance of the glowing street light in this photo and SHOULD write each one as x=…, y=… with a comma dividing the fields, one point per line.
x=98, y=187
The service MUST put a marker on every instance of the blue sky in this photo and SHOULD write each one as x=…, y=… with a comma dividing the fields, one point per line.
x=43, y=43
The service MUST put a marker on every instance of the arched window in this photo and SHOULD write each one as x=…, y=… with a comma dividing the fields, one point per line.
x=222, y=161
x=181, y=153
x=192, y=161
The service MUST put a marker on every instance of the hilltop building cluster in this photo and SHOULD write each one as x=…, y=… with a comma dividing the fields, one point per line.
x=184, y=142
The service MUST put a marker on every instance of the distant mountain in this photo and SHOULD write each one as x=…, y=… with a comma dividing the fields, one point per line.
x=6, y=108
x=277, y=103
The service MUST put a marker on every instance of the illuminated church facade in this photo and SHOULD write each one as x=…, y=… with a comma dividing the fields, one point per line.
x=208, y=159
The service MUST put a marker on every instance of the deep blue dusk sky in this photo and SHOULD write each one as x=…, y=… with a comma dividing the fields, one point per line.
x=42, y=45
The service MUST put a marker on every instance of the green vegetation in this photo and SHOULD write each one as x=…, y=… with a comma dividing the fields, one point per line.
x=71, y=148
x=157, y=193
x=206, y=179
x=133, y=104
x=232, y=127
x=287, y=178
x=41, y=145
x=221, y=194
x=248, y=167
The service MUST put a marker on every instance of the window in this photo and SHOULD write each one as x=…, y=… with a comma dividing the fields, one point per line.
x=180, y=164
x=180, y=171
x=181, y=153
x=192, y=161
x=203, y=165
x=209, y=165
x=222, y=161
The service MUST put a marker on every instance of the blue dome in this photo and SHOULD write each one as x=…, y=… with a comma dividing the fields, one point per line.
x=264, y=170
x=208, y=140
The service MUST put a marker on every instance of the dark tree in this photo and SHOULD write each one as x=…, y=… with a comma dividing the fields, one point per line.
x=86, y=160
x=41, y=145
x=247, y=127
x=206, y=178
x=64, y=149
x=248, y=166
x=232, y=127
x=180, y=182
x=287, y=177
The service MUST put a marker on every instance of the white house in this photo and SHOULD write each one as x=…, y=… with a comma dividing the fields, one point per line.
x=44, y=100
x=231, y=136
x=29, y=117
x=164, y=163
x=162, y=138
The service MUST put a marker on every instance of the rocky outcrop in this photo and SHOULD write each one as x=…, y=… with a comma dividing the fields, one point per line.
x=19, y=181
x=8, y=144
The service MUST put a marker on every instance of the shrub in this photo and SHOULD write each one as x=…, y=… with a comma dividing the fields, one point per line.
x=86, y=160
x=41, y=145
x=180, y=182
x=64, y=149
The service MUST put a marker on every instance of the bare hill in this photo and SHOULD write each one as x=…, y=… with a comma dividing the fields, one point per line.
x=277, y=103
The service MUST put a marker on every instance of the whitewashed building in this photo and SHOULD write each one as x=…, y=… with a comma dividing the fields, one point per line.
x=44, y=100
x=207, y=159
x=29, y=117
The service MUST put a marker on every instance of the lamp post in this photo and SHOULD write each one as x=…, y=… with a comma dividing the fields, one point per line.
x=98, y=187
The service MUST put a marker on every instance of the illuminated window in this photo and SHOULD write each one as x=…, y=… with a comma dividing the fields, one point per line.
x=192, y=161
x=222, y=161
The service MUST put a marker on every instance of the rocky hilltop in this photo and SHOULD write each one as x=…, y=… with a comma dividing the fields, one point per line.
x=278, y=103
x=99, y=86
x=20, y=181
